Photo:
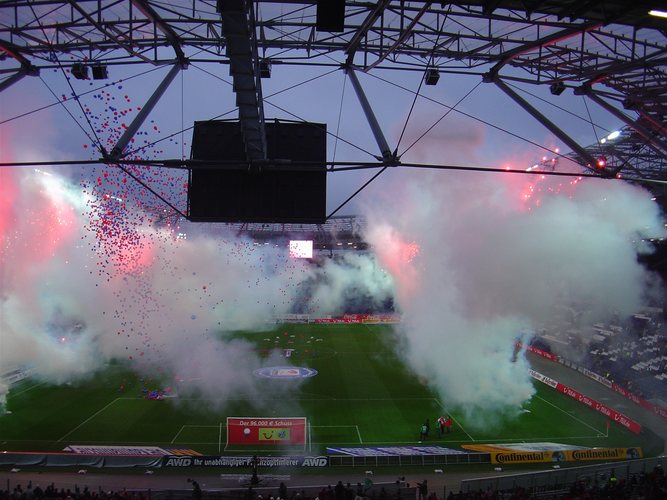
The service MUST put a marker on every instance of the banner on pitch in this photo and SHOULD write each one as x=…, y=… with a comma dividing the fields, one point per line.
x=259, y=430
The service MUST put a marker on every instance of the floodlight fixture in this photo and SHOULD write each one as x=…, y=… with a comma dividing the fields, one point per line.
x=80, y=71
x=100, y=72
x=557, y=87
x=264, y=69
x=431, y=77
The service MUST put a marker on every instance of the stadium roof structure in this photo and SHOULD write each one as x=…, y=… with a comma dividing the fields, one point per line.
x=613, y=52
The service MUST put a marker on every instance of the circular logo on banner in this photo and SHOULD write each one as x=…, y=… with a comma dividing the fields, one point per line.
x=285, y=372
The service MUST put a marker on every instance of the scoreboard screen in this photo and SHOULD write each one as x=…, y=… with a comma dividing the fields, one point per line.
x=301, y=249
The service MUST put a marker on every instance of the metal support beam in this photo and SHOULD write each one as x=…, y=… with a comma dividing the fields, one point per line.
x=551, y=39
x=26, y=66
x=363, y=30
x=552, y=127
x=387, y=155
x=653, y=122
x=108, y=33
x=402, y=38
x=241, y=49
x=168, y=31
x=11, y=80
x=14, y=51
x=122, y=143
x=656, y=143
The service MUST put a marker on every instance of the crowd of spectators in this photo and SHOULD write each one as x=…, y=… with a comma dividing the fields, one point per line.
x=650, y=486
x=631, y=352
x=51, y=492
x=644, y=486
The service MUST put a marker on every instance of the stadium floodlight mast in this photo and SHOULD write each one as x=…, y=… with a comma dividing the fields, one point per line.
x=611, y=56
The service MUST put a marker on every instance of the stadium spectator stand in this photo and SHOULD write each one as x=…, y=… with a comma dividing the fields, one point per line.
x=632, y=353
x=599, y=483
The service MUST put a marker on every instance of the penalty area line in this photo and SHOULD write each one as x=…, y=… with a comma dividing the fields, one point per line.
x=89, y=419
x=455, y=421
x=600, y=433
x=38, y=384
x=178, y=433
x=361, y=441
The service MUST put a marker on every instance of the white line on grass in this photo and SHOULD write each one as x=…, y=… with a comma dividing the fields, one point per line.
x=301, y=399
x=192, y=425
x=88, y=419
x=455, y=421
x=359, y=434
x=220, y=438
x=318, y=426
x=178, y=433
x=14, y=394
x=570, y=415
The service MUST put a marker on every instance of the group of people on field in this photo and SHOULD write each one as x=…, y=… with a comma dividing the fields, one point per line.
x=444, y=426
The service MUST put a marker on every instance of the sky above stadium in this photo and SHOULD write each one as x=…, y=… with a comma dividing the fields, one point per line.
x=473, y=259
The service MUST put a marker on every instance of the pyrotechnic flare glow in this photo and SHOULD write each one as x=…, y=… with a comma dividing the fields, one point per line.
x=488, y=270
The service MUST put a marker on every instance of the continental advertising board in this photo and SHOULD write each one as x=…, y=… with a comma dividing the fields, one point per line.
x=597, y=454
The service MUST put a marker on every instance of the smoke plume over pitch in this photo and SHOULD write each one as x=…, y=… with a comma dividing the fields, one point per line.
x=480, y=258
x=87, y=277
x=475, y=261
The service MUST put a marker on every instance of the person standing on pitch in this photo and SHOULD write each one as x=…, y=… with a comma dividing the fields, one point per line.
x=448, y=424
x=424, y=430
x=441, y=425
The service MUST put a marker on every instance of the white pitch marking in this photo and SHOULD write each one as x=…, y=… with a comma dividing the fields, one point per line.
x=359, y=434
x=178, y=433
x=571, y=416
x=89, y=419
x=456, y=421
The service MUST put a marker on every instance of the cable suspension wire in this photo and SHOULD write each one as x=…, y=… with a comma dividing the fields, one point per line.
x=82, y=94
x=480, y=120
x=545, y=101
x=328, y=133
x=453, y=108
x=69, y=84
x=182, y=114
x=340, y=166
x=185, y=129
x=340, y=115
x=590, y=120
x=412, y=107
x=377, y=174
x=174, y=134
x=62, y=103
x=421, y=82
x=148, y=188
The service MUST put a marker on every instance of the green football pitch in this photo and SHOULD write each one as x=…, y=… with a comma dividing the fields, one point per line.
x=363, y=395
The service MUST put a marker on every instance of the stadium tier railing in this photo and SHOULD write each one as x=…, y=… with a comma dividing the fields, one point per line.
x=562, y=478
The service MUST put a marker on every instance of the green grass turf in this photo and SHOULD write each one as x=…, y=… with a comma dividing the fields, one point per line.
x=362, y=395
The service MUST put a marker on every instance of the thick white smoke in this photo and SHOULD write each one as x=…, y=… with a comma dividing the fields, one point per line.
x=476, y=260
x=480, y=258
x=78, y=291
